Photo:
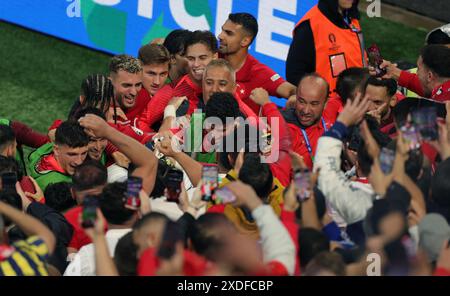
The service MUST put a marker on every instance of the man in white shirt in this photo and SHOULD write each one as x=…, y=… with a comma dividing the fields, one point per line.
x=120, y=221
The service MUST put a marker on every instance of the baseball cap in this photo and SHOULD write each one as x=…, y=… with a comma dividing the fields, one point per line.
x=433, y=231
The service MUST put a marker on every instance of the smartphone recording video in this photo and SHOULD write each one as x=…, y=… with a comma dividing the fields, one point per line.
x=224, y=196
x=174, y=180
x=209, y=181
x=425, y=121
x=134, y=186
x=89, y=213
x=387, y=157
x=411, y=136
x=302, y=182
x=375, y=60
x=171, y=236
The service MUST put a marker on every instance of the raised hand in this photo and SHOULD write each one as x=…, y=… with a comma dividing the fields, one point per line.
x=260, y=96
x=354, y=110
x=94, y=125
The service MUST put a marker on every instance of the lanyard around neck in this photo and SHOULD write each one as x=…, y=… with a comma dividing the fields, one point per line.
x=305, y=136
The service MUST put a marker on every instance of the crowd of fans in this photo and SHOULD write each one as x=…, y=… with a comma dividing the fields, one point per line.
x=177, y=162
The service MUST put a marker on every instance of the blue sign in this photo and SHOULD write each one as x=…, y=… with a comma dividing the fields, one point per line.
x=119, y=26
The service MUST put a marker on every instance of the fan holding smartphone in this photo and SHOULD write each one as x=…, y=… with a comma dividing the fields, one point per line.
x=209, y=181
x=375, y=60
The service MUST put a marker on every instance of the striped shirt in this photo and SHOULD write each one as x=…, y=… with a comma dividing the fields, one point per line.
x=28, y=259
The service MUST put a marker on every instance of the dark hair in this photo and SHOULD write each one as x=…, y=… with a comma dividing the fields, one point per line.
x=207, y=239
x=98, y=92
x=89, y=110
x=256, y=174
x=437, y=36
x=9, y=165
x=365, y=161
x=328, y=261
x=112, y=203
x=437, y=59
x=89, y=175
x=204, y=37
x=311, y=242
x=7, y=136
x=13, y=199
x=350, y=80
x=247, y=21
x=70, y=133
x=242, y=138
x=174, y=42
x=390, y=84
x=59, y=197
x=440, y=185
x=222, y=105
x=125, y=255
x=150, y=54
x=149, y=218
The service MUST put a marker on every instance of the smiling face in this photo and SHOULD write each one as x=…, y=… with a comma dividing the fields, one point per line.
x=217, y=79
x=126, y=87
x=198, y=56
x=69, y=158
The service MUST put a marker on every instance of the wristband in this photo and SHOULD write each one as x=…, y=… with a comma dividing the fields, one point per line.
x=169, y=111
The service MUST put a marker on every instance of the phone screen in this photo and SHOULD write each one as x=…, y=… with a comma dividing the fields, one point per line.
x=387, y=157
x=89, y=213
x=411, y=136
x=171, y=236
x=224, y=196
x=425, y=121
x=174, y=179
x=134, y=186
x=302, y=182
x=375, y=59
x=9, y=181
x=209, y=181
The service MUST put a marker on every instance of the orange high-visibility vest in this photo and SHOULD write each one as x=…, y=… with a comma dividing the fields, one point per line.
x=336, y=49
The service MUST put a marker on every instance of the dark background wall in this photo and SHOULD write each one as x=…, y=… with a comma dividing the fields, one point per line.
x=437, y=9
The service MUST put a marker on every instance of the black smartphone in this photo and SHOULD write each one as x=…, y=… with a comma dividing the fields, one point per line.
x=173, y=180
x=375, y=60
x=134, y=186
x=89, y=213
x=355, y=140
x=302, y=182
x=425, y=121
x=9, y=181
x=172, y=234
x=210, y=174
x=183, y=109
